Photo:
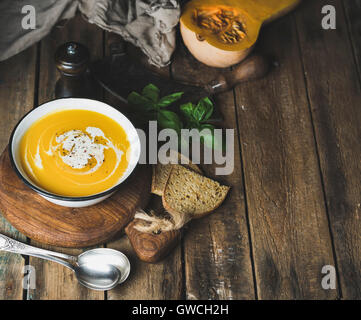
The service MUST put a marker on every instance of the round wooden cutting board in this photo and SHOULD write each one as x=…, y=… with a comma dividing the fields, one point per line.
x=51, y=224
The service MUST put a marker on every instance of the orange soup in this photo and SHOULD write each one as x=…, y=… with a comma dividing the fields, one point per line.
x=75, y=152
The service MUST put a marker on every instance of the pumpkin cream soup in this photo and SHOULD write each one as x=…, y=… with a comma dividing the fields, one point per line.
x=75, y=152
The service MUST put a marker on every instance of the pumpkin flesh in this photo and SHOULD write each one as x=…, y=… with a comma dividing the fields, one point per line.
x=227, y=25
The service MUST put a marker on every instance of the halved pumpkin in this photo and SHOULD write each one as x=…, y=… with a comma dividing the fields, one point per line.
x=221, y=33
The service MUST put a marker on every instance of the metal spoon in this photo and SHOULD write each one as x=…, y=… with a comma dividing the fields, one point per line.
x=97, y=269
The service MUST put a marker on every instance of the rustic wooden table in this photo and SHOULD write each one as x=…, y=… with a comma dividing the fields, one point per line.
x=296, y=187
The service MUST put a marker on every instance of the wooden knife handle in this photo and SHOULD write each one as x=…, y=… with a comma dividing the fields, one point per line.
x=152, y=248
x=253, y=67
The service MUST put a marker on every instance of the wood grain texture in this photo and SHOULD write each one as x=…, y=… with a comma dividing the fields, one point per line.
x=216, y=247
x=335, y=96
x=164, y=279
x=151, y=247
x=54, y=281
x=284, y=195
x=287, y=214
x=51, y=224
x=353, y=14
x=158, y=281
x=17, y=83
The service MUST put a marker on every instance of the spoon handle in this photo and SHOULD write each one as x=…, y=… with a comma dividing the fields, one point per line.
x=11, y=245
x=54, y=259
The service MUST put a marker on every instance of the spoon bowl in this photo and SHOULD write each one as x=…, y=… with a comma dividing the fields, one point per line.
x=98, y=277
x=104, y=256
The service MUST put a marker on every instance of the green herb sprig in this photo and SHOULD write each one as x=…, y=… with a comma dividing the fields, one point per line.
x=197, y=116
x=152, y=107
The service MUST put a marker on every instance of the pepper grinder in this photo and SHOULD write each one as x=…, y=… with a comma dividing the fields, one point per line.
x=72, y=60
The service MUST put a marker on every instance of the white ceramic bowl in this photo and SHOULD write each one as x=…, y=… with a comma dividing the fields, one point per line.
x=71, y=104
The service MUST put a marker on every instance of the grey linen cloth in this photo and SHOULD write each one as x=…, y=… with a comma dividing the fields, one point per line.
x=148, y=24
x=13, y=38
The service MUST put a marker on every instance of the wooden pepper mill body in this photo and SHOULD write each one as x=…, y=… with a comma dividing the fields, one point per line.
x=72, y=60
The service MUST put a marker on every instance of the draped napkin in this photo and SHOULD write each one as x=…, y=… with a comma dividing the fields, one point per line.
x=148, y=24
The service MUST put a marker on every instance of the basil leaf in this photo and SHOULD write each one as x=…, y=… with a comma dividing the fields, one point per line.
x=187, y=110
x=167, y=100
x=208, y=106
x=208, y=137
x=168, y=119
x=151, y=92
x=203, y=110
x=136, y=99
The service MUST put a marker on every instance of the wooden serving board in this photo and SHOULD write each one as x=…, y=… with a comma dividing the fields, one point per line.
x=51, y=224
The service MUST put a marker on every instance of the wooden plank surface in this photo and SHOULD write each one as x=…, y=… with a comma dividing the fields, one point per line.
x=163, y=280
x=160, y=281
x=335, y=99
x=53, y=280
x=17, y=82
x=216, y=247
x=353, y=14
x=299, y=145
x=288, y=221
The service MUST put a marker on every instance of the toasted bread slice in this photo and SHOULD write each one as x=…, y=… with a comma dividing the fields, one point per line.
x=189, y=193
x=160, y=177
x=162, y=171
